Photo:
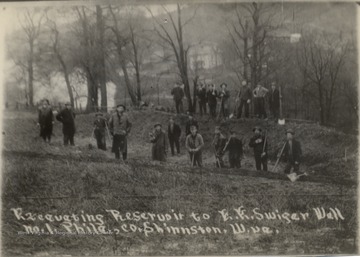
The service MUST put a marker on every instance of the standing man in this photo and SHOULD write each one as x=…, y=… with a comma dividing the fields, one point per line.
x=292, y=152
x=245, y=100
x=194, y=143
x=120, y=127
x=191, y=121
x=235, y=148
x=67, y=118
x=259, y=101
x=201, y=94
x=260, y=152
x=219, y=144
x=46, y=121
x=158, y=139
x=212, y=94
x=274, y=101
x=224, y=95
x=178, y=94
x=174, y=132
x=100, y=131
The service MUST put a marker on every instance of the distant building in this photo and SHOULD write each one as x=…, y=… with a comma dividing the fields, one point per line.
x=204, y=56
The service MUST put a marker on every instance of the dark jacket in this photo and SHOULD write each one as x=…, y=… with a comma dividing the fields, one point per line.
x=178, y=93
x=258, y=147
x=211, y=97
x=100, y=127
x=294, y=155
x=235, y=147
x=190, y=123
x=175, y=133
x=202, y=95
x=274, y=98
x=46, y=117
x=245, y=93
x=219, y=143
x=119, y=124
x=67, y=118
x=159, y=146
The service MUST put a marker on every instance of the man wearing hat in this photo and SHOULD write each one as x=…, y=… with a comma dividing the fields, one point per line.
x=191, y=121
x=67, y=118
x=245, y=99
x=219, y=144
x=194, y=143
x=178, y=94
x=274, y=101
x=100, y=130
x=158, y=139
x=174, y=132
x=259, y=101
x=224, y=95
x=211, y=97
x=46, y=120
x=120, y=127
x=235, y=148
x=260, y=149
x=292, y=152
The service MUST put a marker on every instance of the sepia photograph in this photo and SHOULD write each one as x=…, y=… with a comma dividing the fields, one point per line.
x=179, y=128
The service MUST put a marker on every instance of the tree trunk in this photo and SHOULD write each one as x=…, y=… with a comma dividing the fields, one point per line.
x=31, y=74
x=67, y=80
x=101, y=58
x=127, y=80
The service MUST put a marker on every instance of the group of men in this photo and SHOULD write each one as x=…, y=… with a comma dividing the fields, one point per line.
x=119, y=126
x=233, y=144
x=208, y=95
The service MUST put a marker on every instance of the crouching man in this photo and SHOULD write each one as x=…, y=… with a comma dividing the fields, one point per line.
x=235, y=148
x=194, y=143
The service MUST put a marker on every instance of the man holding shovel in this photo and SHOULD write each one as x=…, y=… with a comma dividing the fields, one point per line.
x=292, y=152
x=259, y=143
x=194, y=143
x=219, y=145
x=245, y=98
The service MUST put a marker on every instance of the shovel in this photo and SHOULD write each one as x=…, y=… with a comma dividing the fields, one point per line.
x=293, y=176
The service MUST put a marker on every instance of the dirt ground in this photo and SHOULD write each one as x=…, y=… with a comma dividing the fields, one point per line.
x=44, y=178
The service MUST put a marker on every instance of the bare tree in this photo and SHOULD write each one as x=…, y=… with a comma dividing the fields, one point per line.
x=174, y=38
x=120, y=44
x=31, y=25
x=320, y=61
x=101, y=57
x=56, y=48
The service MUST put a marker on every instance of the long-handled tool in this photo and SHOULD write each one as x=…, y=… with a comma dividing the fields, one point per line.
x=221, y=108
x=263, y=150
x=192, y=159
x=227, y=143
x=293, y=176
x=282, y=150
x=237, y=102
x=216, y=157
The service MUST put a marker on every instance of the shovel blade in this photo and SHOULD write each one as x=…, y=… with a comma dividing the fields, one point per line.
x=293, y=177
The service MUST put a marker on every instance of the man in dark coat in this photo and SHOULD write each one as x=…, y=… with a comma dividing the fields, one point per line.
x=174, y=132
x=194, y=143
x=46, y=120
x=100, y=127
x=120, y=127
x=235, y=148
x=158, y=139
x=191, y=121
x=274, y=101
x=224, y=95
x=178, y=94
x=201, y=95
x=212, y=94
x=67, y=118
x=292, y=152
x=219, y=145
x=245, y=100
x=259, y=101
x=260, y=152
